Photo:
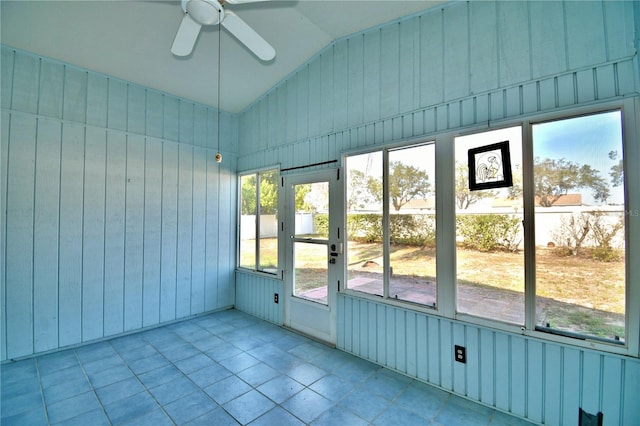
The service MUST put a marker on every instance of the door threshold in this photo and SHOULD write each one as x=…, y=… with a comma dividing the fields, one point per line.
x=308, y=336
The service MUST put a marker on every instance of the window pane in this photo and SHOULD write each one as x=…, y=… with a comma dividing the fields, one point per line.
x=364, y=223
x=310, y=275
x=412, y=226
x=489, y=254
x=579, y=214
x=269, y=221
x=312, y=210
x=248, y=221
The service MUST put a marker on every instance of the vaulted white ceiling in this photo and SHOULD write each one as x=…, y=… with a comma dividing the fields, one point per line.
x=130, y=40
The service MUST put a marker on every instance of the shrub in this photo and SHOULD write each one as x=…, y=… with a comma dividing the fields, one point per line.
x=603, y=234
x=321, y=223
x=577, y=229
x=412, y=230
x=407, y=229
x=490, y=232
x=572, y=233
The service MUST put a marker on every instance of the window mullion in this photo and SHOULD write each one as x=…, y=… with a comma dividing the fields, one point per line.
x=528, y=194
x=386, y=245
x=445, y=226
x=257, y=221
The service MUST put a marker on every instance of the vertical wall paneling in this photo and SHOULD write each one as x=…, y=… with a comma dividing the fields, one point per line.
x=154, y=115
x=171, y=118
x=4, y=150
x=459, y=369
x=408, y=81
x=185, y=220
x=117, y=105
x=227, y=234
x=52, y=79
x=211, y=232
x=619, y=16
x=631, y=391
x=26, y=79
x=97, y=100
x=315, y=97
x=472, y=373
x=106, y=210
x=518, y=367
x=136, y=109
x=340, y=86
x=548, y=54
x=483, y=46
x=186, y=122
x=93, y=233
x=134, y=232
x=586, y=39
x=255, y=296
x=19, y=235
x=535, y=380
x=590, y=386
x=446, y=357
x=456, y=51
x=612, y=387
x=168, y=275
x=355, y=80
x=302, y=102
x=487, y=365
x=513, y=38
x=75, y=94
x=432, y=58
x=552, y=384
x=372, y=74
x=198, y=237
x=571, y=381
x=200, y=125
x=389, y=58
x=45, y=236
x=502, y=380
x=70, y=234
x=6, y=77
x=114, y=235
x=152, y=260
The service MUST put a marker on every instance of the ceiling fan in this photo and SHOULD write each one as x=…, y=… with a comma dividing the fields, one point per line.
x=212, y=12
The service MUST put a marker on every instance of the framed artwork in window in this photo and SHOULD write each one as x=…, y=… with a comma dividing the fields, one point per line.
x=490, y=166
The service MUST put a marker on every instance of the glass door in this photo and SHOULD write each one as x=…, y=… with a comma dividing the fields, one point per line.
x=314, y=258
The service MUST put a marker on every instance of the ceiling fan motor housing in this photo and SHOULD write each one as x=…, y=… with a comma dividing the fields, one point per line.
x=205, y=12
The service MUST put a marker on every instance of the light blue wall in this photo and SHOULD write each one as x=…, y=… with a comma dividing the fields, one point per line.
x=466, y=64
x=112, y=195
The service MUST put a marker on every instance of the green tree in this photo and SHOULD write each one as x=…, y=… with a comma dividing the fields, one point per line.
x=465, y=197
x=269, y=192
x=362, y=190
x=555, y=178
x=617, y=171
x=248, y=200
x=406, y=183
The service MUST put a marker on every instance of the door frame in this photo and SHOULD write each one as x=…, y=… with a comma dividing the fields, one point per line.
x=293, y=305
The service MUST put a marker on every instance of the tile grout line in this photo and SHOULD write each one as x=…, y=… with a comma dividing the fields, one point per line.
x=44, y=401
x=93, y=389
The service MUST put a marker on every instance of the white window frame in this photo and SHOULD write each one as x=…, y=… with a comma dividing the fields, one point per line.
x=257, y=269
x=446, y=226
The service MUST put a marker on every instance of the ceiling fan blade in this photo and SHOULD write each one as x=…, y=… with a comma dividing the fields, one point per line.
x=185, y=37
x=243, y=1
x=248, y=36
